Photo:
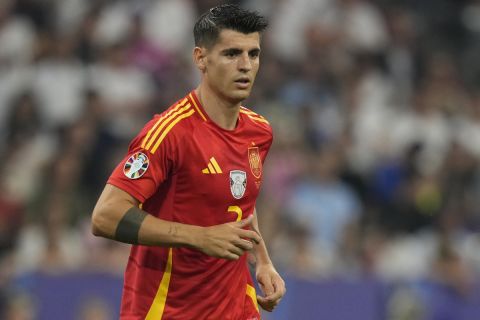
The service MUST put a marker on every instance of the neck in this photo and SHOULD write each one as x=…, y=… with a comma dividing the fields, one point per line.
x=221, y=111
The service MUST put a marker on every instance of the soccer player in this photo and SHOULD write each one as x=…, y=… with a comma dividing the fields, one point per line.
x=185, y=193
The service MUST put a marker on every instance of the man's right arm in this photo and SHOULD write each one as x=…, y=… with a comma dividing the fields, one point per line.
x=117, y=216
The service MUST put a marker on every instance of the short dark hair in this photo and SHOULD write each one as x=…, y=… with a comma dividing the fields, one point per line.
x=226, y=16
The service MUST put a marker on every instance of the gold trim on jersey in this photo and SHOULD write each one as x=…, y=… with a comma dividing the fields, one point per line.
x=180, y=104
x=158, y=304
x=254, y=116
x=246, y=110
x=167, y=130
x=164, y=123
x=259, y=119
x=253, y=295
x=196, y=107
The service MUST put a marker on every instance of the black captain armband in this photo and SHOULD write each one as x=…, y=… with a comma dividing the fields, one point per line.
x=129, y=226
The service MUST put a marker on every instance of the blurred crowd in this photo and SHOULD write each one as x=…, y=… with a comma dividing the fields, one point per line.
x=375, y=106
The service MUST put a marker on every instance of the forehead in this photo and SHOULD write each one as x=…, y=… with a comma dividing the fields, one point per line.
x=234, y=39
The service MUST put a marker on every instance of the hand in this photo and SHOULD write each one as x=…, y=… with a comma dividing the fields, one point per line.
x=272, y=286
x=229, y=240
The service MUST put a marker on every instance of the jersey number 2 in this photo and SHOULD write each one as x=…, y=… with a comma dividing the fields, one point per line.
x=237, y=210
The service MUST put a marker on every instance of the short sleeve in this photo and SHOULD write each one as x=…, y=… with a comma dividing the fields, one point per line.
x=267, y=135
x=268, y=145
x=150, y=160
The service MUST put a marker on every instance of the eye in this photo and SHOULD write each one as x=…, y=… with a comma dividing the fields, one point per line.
x=254, y=54
x=231, y=53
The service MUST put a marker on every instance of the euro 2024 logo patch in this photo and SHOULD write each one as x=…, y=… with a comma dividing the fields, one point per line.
x=136, y=165
x=238, y=183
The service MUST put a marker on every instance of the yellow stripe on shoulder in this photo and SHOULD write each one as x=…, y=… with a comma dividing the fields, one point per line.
x=197, y=108
x=259, y=119
x=250, y=112
x=256, y=117
x=167, y=130
x=165, y=122
x=182, y=103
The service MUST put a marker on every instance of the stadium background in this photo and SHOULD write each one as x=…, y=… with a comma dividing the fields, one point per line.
x=371, y=196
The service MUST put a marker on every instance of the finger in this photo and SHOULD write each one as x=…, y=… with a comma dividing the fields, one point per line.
x=279, y=286
x=236, y=250
x=261, y=299
x=278, y=290
x=265, y=304
x=250, y=235
x=231, y=256
x=268, y=306
x=245, y=222
x=275, y=295
x=255, y=229
x=245, y=245
x=266, y=287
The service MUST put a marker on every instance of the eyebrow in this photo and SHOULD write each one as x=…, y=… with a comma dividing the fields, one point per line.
x=231, y=51
x=237, y=51
x=256, y=50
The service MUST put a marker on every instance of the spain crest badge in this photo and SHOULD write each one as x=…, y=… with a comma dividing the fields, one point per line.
x=255, y=161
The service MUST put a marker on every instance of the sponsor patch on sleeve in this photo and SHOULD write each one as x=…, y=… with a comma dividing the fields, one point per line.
x=136, y=165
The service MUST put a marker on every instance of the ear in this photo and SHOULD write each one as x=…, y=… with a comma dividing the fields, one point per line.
x=199, y=58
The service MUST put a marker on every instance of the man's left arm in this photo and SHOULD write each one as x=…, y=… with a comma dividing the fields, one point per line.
x=270, y=282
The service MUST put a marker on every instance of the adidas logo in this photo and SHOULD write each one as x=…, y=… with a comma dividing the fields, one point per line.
x=212, y=167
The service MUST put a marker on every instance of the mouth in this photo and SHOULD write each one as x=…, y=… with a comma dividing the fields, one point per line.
x=243, y=82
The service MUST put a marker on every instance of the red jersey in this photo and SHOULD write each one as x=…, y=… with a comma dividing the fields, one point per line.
x=183, y=167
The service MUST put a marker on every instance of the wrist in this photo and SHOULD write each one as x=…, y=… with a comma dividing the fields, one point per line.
x=264, y=267
x=261, y=257
x=193, y=236
x=263, y=262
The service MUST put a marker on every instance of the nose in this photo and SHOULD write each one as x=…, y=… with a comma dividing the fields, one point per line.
x=244, y=63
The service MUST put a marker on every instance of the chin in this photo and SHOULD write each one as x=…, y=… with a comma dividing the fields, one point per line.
x=240, y=95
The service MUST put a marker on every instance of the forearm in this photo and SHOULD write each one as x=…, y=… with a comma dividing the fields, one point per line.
x=157, y=232
x=260, y=250
x=118, y=217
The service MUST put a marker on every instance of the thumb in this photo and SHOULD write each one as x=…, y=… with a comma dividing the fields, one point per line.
x=245, y=222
